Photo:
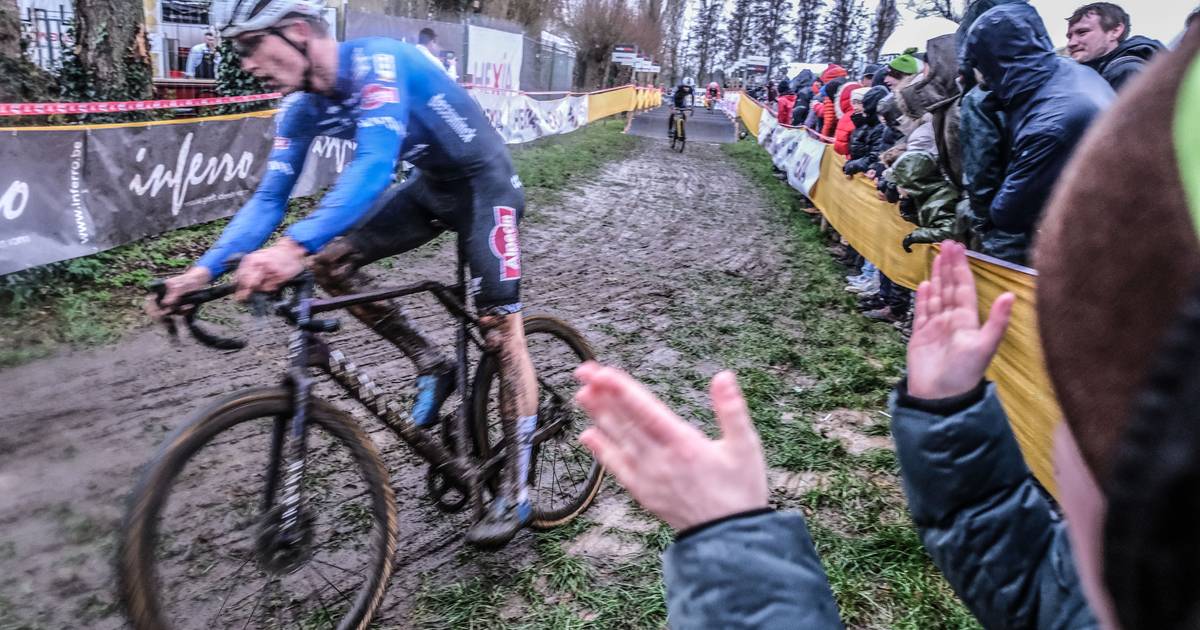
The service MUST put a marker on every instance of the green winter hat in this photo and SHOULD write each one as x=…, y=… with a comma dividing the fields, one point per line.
x=906, y=63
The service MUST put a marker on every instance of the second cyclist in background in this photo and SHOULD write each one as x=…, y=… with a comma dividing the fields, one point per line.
x=712, y=95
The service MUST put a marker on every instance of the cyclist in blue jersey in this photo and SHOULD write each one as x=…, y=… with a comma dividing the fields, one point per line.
x=397, y=105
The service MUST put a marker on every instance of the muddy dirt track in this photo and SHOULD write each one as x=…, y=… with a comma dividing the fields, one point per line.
x=610, y=258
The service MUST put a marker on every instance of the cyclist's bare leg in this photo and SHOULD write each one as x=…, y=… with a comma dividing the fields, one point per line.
x=505, y=335
x=336, y=270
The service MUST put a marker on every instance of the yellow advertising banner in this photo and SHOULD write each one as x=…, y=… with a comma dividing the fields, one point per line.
x=750, y=113
x=874, y=228
x=609, y=102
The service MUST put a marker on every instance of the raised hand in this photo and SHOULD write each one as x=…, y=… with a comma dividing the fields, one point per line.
x=949, y=350
x=672, y=469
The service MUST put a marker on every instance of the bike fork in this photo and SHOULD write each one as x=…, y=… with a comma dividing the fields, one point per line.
x=296, y=443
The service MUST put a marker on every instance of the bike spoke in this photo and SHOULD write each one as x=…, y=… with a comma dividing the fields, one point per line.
x=324, y=608
x=331, y=584
x=334, y=566
x=258, y=603
x=229, y=591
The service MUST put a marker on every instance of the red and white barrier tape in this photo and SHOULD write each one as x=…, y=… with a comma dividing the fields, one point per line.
x=35, y=109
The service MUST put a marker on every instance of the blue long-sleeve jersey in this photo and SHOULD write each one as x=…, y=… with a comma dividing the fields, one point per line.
x=395, y=104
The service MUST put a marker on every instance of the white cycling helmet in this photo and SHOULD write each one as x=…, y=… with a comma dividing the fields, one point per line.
x=689, y=81
x=234, y=17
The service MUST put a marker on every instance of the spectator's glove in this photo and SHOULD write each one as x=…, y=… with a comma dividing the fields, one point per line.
x=907, y=243
x=908, y=210
x=891, y=192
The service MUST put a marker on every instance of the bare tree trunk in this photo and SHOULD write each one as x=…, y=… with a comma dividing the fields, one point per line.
x=111, y=57
x=704, y=32
x=887, y=17
x=769, y=28
x=950, y=9
x=841, y=30
x=807, y=21
x=673, y=37
x=20, y=80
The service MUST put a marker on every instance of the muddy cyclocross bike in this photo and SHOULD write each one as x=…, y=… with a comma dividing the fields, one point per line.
x=679, y=128
x=272, y=508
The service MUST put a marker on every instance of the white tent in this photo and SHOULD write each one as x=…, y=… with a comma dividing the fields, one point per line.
x=914, y=33
x=796, y=68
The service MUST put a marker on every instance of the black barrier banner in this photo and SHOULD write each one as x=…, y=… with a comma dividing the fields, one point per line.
x=70, y=193
x=158, y=178
x=44, y=202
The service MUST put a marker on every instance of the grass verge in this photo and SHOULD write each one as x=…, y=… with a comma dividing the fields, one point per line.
x=94, y=299
x=802, y=352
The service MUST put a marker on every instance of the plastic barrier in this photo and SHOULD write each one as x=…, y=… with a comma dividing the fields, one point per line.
x=874, y=228
x=608, y=102
x=42, y=109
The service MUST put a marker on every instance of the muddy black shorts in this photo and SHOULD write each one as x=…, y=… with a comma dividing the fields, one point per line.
x=484, y=210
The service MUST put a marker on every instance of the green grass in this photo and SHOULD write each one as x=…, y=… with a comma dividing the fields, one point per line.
x=558, y=591
x=879, y=571
x=93, y=300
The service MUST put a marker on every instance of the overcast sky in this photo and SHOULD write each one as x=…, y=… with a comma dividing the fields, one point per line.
x=1159, y=19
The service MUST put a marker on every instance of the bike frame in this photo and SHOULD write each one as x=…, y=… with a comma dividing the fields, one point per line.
x=458, y=466
x=307, y=349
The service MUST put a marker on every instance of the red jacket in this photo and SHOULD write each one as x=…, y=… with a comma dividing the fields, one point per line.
x=837, y=107
x=841, y=138
x=786, y=103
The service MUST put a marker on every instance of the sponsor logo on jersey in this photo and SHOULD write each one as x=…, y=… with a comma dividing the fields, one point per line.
x=415, y=151
x=375, y=96
x=362, y=63
x=382, y=121
x=457, y=123
x=505, y=243
x=282, y=167
x=385, y=67
x=282, y=143
x=516, y=181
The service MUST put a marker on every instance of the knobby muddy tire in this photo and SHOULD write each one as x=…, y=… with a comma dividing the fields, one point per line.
x=536, y=327
x=138, y=582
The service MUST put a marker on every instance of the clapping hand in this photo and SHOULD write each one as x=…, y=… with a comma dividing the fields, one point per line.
x=670, y=467
x=950, y=350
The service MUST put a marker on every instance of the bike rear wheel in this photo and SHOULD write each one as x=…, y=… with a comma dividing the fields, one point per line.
x=195, y=551
x=564, y=477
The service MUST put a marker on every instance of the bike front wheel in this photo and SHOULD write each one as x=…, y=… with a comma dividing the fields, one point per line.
x=563, y=475
x=200, y=547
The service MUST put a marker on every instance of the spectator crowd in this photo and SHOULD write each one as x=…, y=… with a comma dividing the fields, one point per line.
x=987, y=139
x=970, y=134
